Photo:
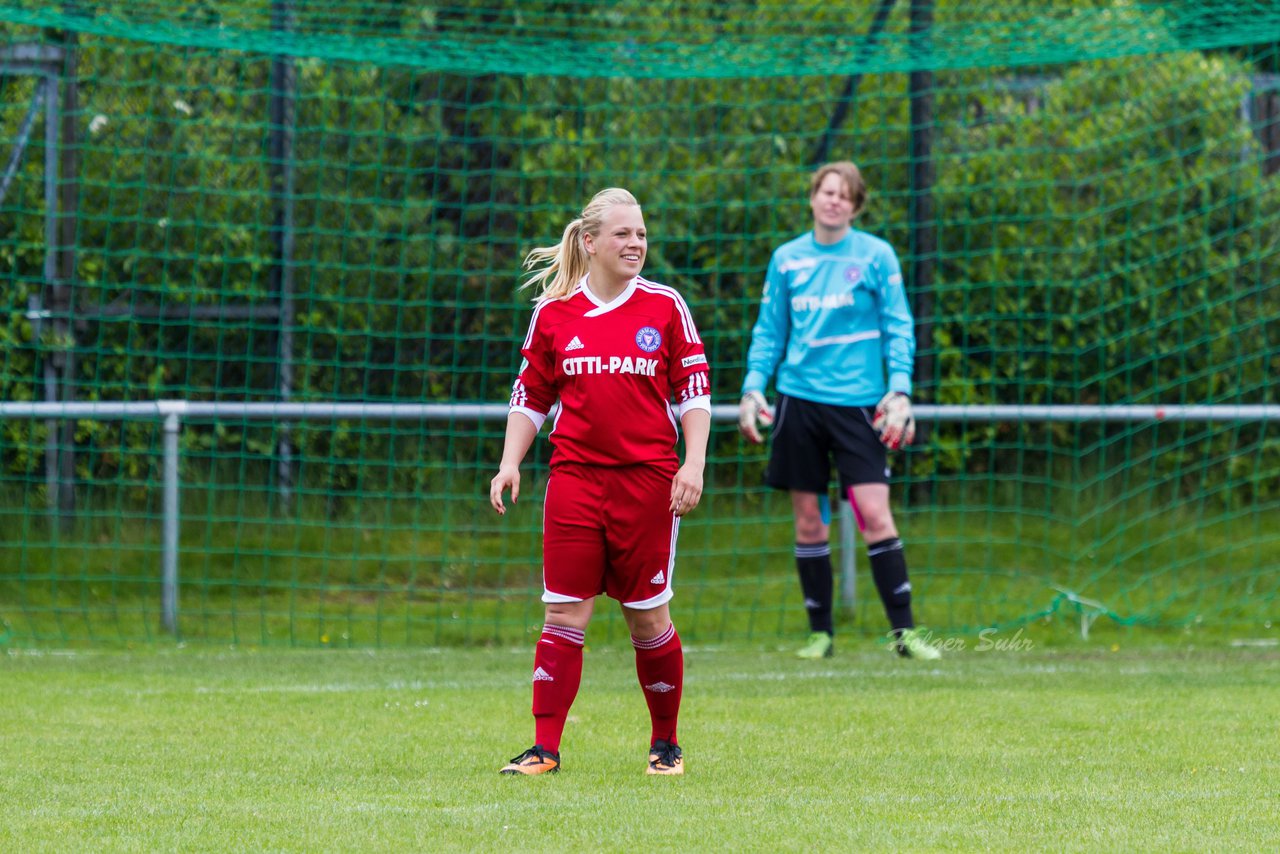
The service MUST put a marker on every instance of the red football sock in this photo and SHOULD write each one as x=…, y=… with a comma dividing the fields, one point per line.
x=660, y=666
x=557, y=673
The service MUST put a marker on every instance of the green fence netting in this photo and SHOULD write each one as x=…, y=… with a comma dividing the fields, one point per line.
x=328, y=201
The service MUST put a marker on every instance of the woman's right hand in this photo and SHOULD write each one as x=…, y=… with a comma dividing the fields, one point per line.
x=753, y=414
x=507, y=477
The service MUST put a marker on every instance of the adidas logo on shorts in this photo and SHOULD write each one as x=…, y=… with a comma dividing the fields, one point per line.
x=660, y=578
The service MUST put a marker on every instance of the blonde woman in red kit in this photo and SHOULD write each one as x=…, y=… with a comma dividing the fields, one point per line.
x=623, y=358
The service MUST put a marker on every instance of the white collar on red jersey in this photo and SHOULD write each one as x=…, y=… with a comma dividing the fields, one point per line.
x=601, y=306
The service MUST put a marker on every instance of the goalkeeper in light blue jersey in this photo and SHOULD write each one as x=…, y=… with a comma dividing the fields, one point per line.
x=836, y=334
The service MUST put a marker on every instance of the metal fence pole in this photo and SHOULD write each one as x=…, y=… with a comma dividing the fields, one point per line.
x=848, y=557
x=51, y=342
x=169, y=556
x=282, y=121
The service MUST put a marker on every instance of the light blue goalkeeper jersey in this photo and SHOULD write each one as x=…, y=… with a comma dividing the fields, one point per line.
x=834, y=323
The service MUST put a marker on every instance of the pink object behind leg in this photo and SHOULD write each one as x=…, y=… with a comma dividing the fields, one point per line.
x=857, y=515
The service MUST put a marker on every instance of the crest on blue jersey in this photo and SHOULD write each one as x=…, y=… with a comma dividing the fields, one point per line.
x=648, y=339
x=853, y=274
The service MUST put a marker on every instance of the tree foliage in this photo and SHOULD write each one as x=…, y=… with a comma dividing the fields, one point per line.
x=1105, y=235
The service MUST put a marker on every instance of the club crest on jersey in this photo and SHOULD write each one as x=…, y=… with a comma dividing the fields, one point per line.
x=853, y=274
x=648, y=339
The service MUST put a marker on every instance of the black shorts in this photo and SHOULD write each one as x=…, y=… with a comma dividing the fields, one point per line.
x=807, y=436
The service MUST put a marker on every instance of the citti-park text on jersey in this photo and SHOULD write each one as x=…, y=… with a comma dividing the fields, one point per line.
x=616, y=365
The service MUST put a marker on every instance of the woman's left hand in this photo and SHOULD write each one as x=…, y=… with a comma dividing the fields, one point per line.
x=686, y=489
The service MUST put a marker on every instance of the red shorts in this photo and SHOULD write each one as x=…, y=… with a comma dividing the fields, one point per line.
x=609, y=530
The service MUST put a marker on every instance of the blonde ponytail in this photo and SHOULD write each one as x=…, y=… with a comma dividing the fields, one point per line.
x=566, y=262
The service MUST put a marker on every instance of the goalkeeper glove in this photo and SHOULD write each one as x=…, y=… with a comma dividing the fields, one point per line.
x=894, y=421
x=754, y=413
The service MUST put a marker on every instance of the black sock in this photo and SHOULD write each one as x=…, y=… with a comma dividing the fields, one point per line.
x=889, y=570
x=813, y=561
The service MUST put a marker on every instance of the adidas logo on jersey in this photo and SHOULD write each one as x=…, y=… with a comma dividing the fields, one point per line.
x=660, y=687
x=540, y=675
x=575, y=344
x=660, y=578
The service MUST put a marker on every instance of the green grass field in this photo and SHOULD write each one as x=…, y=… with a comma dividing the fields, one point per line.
x=1091, y=748
x=353, y=683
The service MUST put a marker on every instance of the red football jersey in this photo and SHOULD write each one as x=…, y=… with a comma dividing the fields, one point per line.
x=615, y=368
